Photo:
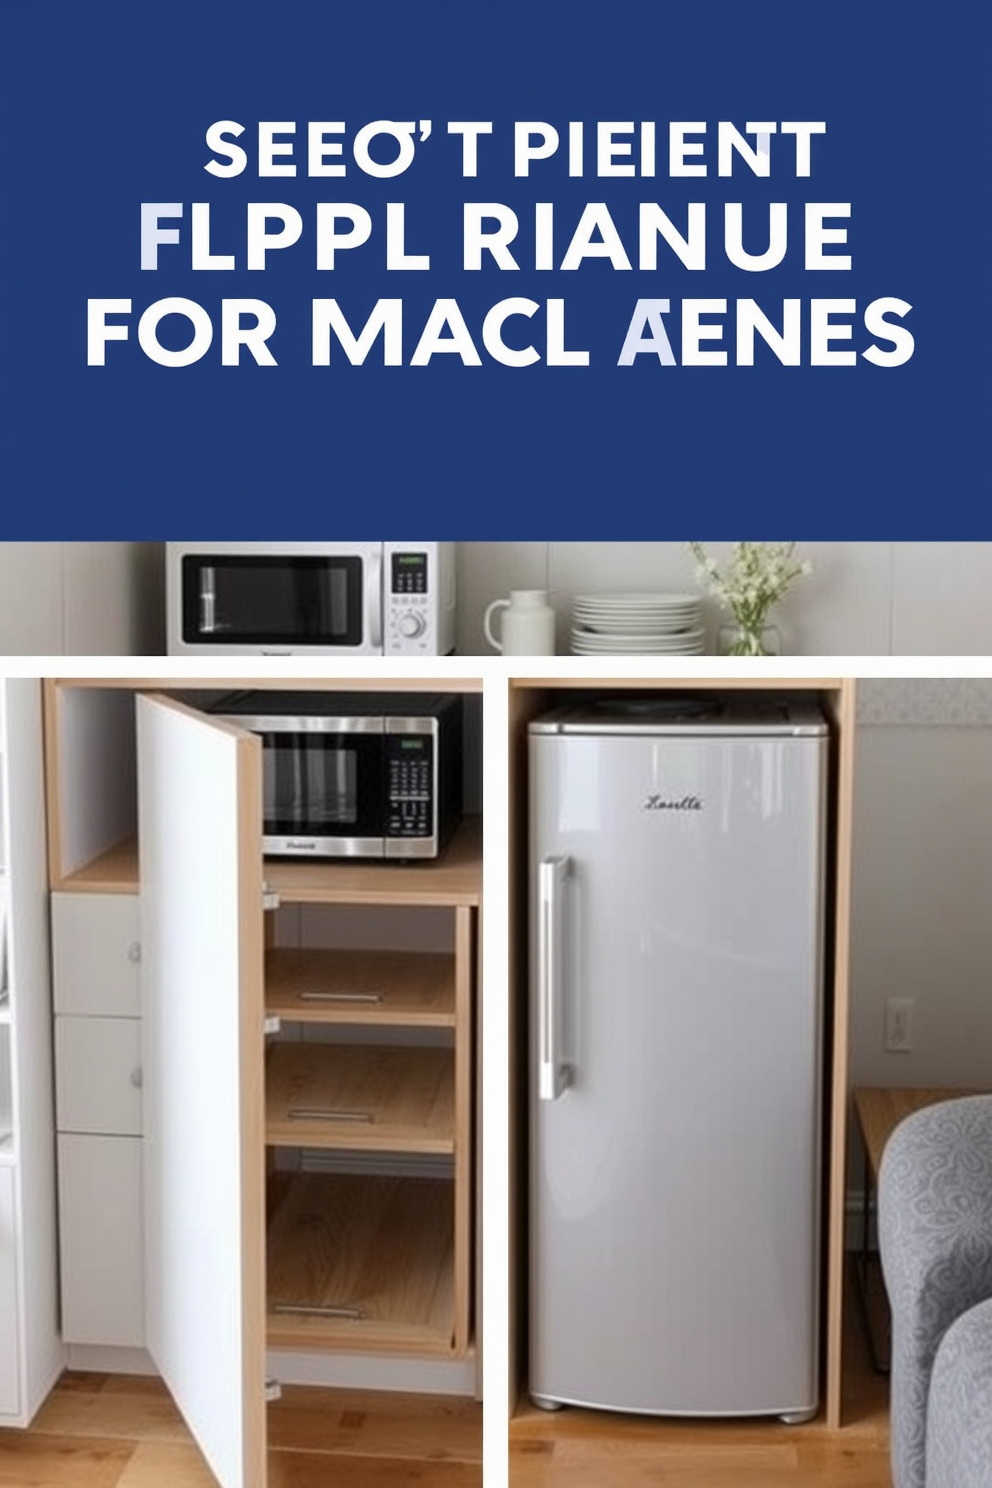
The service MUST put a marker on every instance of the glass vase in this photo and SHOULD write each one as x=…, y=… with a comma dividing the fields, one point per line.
x=748, y=640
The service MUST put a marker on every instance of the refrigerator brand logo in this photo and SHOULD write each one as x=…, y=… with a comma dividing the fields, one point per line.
x=665, y=803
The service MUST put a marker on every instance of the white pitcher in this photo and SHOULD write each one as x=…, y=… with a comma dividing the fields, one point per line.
x=527, y=627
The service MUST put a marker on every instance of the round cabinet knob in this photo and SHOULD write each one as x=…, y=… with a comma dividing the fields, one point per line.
x=411, y=626
x=134, y=951
x=137, y=1078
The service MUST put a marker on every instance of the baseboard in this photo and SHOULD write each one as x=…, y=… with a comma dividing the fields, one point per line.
x=97, y=1358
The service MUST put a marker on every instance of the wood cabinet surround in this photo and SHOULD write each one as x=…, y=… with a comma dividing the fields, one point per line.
x=531, y=696
x=356, y=1135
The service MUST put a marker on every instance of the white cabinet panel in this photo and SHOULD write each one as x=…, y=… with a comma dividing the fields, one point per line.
x=96, y=950
x=200, y=808
x=101, y=1228
x=9, y=1331
x=98, y=1075
x=29, y=1336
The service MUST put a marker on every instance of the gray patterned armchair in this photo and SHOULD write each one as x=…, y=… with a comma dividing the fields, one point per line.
x=935, y=1237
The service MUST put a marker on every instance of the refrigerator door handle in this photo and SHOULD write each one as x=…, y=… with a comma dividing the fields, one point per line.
x=553, y=1076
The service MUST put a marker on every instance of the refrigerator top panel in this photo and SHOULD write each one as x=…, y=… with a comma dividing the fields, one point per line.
x=691, y=716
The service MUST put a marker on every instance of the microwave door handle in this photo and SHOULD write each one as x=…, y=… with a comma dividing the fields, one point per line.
x=373, y=602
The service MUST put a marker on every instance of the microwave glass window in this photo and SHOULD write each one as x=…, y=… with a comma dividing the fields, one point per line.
x=278, y=599
x=309, y=785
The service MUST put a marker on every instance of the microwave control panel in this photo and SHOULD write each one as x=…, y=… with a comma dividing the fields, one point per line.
x=410, y=771
x=408, y=606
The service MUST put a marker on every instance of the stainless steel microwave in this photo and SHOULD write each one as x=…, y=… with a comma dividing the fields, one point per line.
x=357, y=775
x=310, y=598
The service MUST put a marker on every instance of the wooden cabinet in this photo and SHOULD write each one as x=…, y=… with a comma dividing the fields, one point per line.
x=96, y=955
x=527, y=698
x=98, y=1102
x=307, y=1121
x=98, y=1085
x=101, y=1233
x=31, y=1353
x=375, y=1074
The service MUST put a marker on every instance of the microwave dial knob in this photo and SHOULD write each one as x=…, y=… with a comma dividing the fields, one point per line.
x=411, y=626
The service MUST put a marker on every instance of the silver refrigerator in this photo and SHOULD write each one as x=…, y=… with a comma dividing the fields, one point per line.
x=677, y=912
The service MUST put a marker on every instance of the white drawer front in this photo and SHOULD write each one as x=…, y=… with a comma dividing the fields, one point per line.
x=10, y=1402
x=96, y=954
x=98, y=1075
x=102, y=1240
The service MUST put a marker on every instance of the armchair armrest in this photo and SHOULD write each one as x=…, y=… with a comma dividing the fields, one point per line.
x=959, y=1409
x=935, y=1238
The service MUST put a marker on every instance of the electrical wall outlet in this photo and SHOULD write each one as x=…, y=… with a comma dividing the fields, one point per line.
x=899, y=1025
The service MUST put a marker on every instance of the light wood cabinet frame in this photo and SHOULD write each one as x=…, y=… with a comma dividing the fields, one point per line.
x=91, y=849
x=529, y=696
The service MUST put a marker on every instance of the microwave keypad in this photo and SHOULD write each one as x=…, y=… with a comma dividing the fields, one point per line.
x=410, y=813
x=409, y=573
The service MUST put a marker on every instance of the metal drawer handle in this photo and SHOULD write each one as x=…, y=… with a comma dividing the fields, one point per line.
x=340, y=997
x=301, y=1309
x=327, y=1113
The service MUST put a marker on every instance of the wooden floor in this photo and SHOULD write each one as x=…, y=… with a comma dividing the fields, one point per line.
x=113, y=1431
x=119, y=1431
x=589, y=1449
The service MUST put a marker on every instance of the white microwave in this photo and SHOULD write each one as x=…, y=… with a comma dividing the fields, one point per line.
x=310, y=599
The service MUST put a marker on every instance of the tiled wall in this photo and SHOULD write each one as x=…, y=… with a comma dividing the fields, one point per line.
x=863, y=599
x=925, y=702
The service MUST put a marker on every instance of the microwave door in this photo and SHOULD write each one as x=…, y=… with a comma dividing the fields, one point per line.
x=276, y=602
x=321, y=794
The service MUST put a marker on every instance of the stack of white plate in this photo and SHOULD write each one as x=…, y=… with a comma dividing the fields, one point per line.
x=629, y=624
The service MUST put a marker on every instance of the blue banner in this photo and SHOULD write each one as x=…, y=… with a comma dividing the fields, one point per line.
x=496, y=270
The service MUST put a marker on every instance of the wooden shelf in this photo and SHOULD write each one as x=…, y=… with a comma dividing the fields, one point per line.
x=113, y=872
x=382, y=1246
x=375, y=1099
x=401, y=989
x=453, y=878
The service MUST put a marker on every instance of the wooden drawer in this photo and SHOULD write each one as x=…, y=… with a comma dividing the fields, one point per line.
x=96, y=954
x=102, y=1240
x=98, y=1075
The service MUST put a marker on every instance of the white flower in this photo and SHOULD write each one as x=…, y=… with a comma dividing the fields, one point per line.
x=755, y=578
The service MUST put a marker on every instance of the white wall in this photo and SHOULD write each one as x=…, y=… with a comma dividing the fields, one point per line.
x=922, y=887
x=81, y=599
x=863, y=599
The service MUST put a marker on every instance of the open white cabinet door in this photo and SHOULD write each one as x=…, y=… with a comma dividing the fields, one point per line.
x=200, y=815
